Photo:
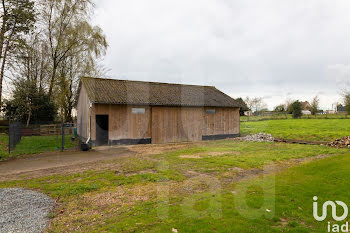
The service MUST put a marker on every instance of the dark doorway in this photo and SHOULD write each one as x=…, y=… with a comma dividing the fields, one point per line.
x=101, y=130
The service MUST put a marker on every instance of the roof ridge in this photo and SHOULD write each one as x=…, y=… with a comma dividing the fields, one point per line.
x=158, y=83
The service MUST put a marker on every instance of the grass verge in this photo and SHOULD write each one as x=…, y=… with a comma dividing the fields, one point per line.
x=191, y=190
x=34, y=145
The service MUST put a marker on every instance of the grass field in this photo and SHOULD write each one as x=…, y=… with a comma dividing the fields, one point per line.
x=34, y=145
x=195, y=190
x=216, y=186
x=304, y=129
x=289, y=116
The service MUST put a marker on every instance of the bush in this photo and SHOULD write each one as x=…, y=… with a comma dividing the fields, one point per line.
x=29, y=105
x=296, y=109
x=280, y=108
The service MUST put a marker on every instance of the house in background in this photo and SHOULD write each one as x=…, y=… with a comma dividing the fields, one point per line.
x=330, y=111
x=341, y=109
x=306, y=112
x=305, y=106
x=113, y=112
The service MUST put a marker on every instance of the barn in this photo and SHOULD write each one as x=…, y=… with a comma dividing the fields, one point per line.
x=116, y=112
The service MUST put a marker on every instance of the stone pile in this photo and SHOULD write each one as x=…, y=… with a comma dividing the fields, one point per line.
x=341, y=143
x=260, y=137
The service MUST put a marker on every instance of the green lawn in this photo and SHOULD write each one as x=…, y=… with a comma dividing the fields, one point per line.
x=304, y=129
x=192, y=190
x=34, y=145
x=294, y=190
x=290, y=116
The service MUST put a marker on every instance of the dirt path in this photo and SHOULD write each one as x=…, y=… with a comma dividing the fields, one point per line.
x=58, y=160
x=102, y=158
x=33, y=166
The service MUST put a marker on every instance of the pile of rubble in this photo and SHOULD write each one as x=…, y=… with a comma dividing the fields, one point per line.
x=341, y=143
x=260, y=137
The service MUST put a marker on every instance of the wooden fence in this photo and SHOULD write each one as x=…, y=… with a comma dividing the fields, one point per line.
x=47, y=130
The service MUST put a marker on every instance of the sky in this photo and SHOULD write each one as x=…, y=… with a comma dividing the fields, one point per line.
x=278, y=50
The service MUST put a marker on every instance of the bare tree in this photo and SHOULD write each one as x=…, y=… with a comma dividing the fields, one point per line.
x=16, y=19
x=69, y=33
x=288, y=105
x=345, y=92
x=315, y=105
x=63, y=47
x=255, y=104
x=31, y=61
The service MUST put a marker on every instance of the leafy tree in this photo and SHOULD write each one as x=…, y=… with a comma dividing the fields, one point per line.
x=315, y=105
x=296, y=108
x=243, y=105
x=289, y=107
x=347, y=102
x=17, y=18
x=29, y=105
x=280, y=108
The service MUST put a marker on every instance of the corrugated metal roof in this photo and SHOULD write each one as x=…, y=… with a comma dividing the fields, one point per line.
x=110, y=91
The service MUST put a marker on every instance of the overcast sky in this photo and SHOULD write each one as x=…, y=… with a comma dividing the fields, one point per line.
x=276, y=49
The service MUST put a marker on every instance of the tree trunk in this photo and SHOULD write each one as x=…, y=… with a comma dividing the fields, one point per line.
x=29, y=116
x=52, y=81
x=2, y=40
x=41, y=76
x=2, y=71
x=69, y=115
x=3, y=28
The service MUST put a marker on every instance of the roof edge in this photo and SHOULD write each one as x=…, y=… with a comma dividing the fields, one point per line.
x=137, y=81
x=166, y=105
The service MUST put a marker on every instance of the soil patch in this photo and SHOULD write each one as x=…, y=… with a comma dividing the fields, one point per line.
x=206, y=154
x=240, y=174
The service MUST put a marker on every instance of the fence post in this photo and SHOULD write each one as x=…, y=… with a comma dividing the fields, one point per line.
x=62, y=145
x=9, y=136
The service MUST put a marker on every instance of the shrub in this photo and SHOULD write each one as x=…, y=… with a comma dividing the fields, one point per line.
x=347, y=103
x=296, y=108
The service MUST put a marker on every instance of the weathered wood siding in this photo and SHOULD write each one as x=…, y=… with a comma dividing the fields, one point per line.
x=83, y=114
x=175, y=124
x=123, y=124
x=224, y=121
x=166, y=124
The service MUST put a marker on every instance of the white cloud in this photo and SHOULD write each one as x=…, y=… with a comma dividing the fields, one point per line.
x=244, y=47
x=340, y=73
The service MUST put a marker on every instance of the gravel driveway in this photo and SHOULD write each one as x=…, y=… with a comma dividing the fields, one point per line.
x=24, y=210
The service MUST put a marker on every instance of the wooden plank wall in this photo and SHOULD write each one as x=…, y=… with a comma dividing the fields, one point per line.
x=83, y=110
x=224, y=121
x=166, y=124
x=123, y=124
x=175, y=124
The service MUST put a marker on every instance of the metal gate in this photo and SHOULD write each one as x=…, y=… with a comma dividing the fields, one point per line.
x=15, y=135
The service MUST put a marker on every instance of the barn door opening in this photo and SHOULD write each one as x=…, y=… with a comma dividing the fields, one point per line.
x=101, y=130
